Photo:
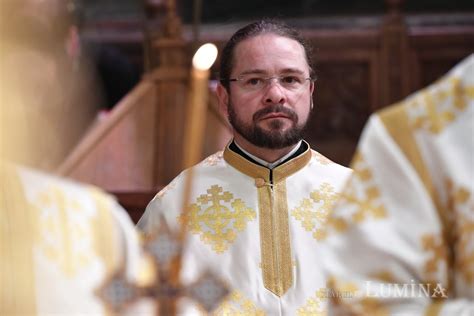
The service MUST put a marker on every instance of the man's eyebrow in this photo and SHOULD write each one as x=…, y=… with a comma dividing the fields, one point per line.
x=263, y=72
x=292, y=70
x=253, y=72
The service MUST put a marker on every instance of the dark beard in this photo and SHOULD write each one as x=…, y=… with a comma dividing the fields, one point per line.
x=274, y=138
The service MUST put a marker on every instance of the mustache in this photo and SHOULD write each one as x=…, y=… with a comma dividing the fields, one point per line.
x=278, y=108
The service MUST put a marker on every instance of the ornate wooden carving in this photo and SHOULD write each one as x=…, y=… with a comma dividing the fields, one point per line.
x=164, y=45
x=342, y=105
x=166, y=64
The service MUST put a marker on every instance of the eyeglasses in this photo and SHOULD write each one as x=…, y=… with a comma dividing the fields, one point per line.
x=254, y=82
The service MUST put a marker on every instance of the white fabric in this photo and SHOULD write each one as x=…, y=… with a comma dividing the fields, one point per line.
x=404, y=246
x=78, y=226
x=239, y=265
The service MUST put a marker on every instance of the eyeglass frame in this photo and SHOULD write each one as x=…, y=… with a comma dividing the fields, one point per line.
x=267, y=80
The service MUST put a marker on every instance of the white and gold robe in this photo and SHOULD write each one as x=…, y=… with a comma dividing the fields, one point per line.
x=263, y=239
x=403, y=232
x=59, y=242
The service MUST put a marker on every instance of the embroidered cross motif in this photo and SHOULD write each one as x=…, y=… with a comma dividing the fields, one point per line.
x=217, y=218
x=65, y=235
x=361, y=198
x=313, y=212
x=433, y=109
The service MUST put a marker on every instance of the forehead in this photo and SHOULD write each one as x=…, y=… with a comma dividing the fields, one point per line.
x=269, y=53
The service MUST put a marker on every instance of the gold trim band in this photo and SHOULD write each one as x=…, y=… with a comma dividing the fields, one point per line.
x=396, y=121
x=275, y=243
x=17, y=235
x=275, y=239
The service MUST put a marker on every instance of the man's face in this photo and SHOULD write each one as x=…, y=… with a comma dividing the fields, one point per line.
x=274, y=114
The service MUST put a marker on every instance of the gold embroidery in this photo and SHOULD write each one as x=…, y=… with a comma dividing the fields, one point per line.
x=217, y=217
x=434, y=309
x=275, y=238
x=465, y=249
x=214, y=159
x=103, y=228
x=437, y=260
x=64, y=238
x=396, y=121
x=245, y=166
x=461, y=204
x=356, y=303
x=238, y=305
x=320, y=158
x=167, y=188
x=275, y=245
x=313, y=212
x=337, y=286
x=256, y=171
x=371, y=204
x=385, y=276
x=372, y=306
x=360, y=197
x=313, y=306
x=469, y=92
x=434, y=108
x=285, y=170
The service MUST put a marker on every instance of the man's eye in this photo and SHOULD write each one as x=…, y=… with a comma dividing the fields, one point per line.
x=290, y=80
x=253, y=81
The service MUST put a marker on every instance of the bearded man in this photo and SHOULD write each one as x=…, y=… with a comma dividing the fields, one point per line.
x=258, y=209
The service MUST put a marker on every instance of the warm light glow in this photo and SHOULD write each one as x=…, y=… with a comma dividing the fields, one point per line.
x=205, y=56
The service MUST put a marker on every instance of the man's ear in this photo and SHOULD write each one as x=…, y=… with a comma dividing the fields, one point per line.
x=223, y=99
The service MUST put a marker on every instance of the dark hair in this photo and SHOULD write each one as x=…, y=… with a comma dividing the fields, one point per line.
x=266, y=26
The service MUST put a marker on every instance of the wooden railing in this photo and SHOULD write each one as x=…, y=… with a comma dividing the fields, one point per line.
x=100, y=130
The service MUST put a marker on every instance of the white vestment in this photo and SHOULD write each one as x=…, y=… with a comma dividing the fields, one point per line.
x=261, y=236
x=60, y=241
x=403, y=232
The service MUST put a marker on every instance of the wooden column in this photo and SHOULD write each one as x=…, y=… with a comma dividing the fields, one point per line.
x=394, y=55
x=167, y=65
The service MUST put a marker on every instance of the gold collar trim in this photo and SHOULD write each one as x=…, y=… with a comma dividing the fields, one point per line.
x=256, y=171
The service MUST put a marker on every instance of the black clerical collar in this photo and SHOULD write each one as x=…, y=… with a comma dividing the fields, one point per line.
x=301, y=149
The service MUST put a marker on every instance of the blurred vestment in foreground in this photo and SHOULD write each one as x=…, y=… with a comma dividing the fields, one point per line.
x=59, y=241
x=404, y=244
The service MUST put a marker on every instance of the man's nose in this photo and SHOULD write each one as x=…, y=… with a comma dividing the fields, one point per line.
x=274, y=93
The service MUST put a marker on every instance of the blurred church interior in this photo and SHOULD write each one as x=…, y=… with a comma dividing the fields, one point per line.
x=368, y=55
